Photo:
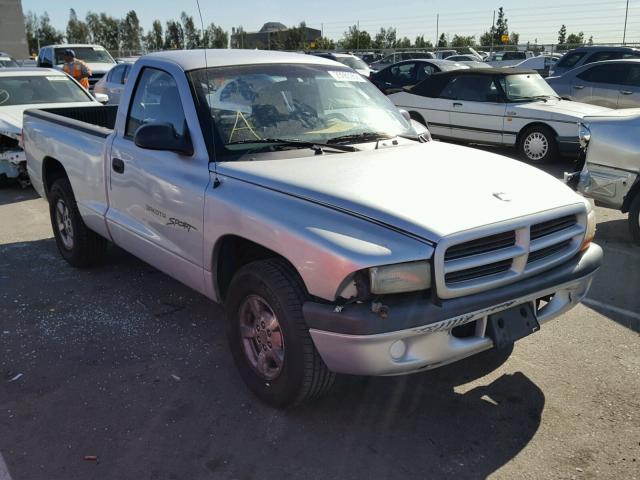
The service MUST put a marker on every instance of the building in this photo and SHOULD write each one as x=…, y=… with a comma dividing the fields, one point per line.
x=271, y=36
x=13, y=38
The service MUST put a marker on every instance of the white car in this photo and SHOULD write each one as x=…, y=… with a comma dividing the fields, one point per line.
x=23, y=88
x=541, y=64
x=497, y=106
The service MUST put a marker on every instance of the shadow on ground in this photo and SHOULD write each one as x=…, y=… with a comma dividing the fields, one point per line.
x=124, y=363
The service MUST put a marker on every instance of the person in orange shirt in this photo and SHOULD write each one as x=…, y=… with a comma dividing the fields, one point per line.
x=76, y=68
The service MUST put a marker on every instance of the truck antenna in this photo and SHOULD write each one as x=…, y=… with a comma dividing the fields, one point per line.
x=216, y=181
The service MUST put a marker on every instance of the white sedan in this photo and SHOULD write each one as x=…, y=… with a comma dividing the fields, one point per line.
x=23, y=88
x=497, y=106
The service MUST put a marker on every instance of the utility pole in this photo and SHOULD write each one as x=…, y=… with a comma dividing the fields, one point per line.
x=358, y=37
x=626, y=13
x=493, y=31
x=437, y=30
x=322, y=30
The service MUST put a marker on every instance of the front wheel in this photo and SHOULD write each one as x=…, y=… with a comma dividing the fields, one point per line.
x=269, y=338
x=634, y=219
x=538, y=145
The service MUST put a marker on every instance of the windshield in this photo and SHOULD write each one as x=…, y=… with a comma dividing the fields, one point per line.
x=353, y=62
x=87, y=54
x=8, y=62
x=526, y=86
x=310, y=103
x=35, y=89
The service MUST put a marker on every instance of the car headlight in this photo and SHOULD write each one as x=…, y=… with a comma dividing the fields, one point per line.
x=584, y=135
x=590, y=232
x=400, y=278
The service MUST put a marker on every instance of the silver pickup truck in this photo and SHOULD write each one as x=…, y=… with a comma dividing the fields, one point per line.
x=339, y=239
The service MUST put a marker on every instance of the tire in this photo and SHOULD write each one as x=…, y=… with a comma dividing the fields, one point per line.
x=537, y=145
x=290, y=370
x=634, y=219
x=78, y=245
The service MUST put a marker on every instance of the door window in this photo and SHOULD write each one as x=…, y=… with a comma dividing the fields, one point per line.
x=115, y=74
x=614, y=73
x=404, y=73
x=156, y=100
x=633, y=76
x=424, y=70
x=472, y=88
x=602, y=56
x=570, y=60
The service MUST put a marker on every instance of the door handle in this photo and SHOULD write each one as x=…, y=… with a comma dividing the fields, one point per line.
x=578, y=87
x=626, y=92
x=117, y=165
x=457, y=104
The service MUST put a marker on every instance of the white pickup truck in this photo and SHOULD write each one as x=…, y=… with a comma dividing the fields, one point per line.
x=339, y=239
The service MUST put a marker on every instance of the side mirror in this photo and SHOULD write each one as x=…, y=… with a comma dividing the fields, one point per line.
x=405, y=114
x=101, y=97
x=162, y=136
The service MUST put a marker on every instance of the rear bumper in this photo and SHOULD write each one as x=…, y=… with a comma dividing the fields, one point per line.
x=429, y=342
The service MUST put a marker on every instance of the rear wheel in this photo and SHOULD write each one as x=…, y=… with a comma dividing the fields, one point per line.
x=77, y=244
x=634, y=219
x=269, y=338
x=537, y=144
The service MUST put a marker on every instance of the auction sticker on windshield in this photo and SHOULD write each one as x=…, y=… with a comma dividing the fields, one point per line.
x=342, y=76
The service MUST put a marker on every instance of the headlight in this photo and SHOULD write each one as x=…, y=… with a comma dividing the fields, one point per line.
x=584, y=135
x=400, y=278
x=591, y=227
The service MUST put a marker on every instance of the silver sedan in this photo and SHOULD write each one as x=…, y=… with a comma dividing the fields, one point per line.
x=613, y=83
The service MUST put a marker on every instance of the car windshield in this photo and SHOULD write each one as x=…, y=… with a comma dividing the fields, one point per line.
x=34, y=89
x=353, y=62
x=526, y=87
x=86, y=54
x=306, y=103
x=7, y=62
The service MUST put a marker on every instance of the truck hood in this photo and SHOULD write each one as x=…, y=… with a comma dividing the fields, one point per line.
x=11, y=116
x=428, y=190
x=559, y=109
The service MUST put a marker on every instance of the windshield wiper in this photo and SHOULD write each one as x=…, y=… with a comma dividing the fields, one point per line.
x=285, y=142
x=534, y=97
x=367, y=137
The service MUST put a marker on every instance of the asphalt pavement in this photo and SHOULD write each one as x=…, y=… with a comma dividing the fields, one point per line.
x=120, y=372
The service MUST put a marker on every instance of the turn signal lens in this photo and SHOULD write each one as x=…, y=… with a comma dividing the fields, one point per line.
x=591, y=228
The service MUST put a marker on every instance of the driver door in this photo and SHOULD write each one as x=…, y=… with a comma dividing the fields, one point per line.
x=156, y=198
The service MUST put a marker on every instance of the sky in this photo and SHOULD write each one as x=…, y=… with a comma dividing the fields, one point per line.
x=602, y=19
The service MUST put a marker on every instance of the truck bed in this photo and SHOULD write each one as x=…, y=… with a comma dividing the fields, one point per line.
x=98, y=120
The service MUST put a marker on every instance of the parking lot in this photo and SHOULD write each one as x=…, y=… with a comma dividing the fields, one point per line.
x=122, y=372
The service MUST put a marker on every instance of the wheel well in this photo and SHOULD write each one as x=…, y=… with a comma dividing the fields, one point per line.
x=232, y=253
x=533, y=124
x=418, y=118
x=52, y=170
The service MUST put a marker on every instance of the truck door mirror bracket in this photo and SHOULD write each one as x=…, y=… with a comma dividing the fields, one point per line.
x=163, y=136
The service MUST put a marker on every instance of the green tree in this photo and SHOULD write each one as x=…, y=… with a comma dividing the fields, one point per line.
x=77, y=30
x=501, y=27
x=237, y=37
x=460, y=41
x=514, y=38
x=154, y=40
x=191, y=33
x=215, y=36
x=442, y=41
x=590, y=41
x=385, y=38
x=404, y=42
x=31, y=29
x=422, y=43
x=324, y=43
x=486, y=38
x=47, y=33
x=574, y=40
x=354, y=38
x=174, y=36
x=131, y=32
x=562, y=35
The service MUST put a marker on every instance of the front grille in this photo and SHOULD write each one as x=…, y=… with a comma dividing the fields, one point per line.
x=552, y=226
x=481, y=245
x=478, y=272
x=476, y=261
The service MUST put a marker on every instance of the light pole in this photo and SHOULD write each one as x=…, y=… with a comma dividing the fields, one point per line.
x=626, y=14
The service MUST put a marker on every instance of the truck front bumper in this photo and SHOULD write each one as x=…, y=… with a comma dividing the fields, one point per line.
x=417, y=334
